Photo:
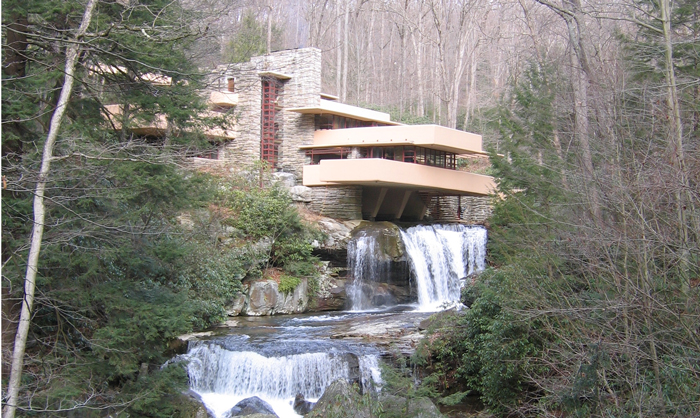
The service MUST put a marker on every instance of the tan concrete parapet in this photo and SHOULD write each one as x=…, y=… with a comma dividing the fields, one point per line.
x=388, y=173
x=345, y=110
x=159, y=125
x=428, y=136
x=223, y=98
x=155, y=127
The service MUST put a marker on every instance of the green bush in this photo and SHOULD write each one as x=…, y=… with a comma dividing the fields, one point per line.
x=288, y=284
x=483, y=349
x=268, y=213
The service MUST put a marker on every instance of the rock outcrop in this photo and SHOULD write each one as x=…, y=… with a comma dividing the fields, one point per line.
x=330, y=293
x=301, y=194
x=253, y=406
x=399, y=407
x=189, y=405
x=301, y=406
x=264, y=298
x=341, y=400
x=378, y=271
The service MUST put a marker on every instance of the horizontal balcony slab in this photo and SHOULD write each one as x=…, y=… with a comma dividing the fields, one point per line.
x=159, y=125
x=396, y=174
x=329, y=107
x=427, y=136
x=223, y=98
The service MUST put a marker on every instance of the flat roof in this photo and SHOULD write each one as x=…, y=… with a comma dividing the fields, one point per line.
x=279, y=76
x=340, y=109
x=329, y=96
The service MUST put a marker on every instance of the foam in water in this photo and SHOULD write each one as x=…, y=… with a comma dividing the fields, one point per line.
x=223, y=377
x=441, y=255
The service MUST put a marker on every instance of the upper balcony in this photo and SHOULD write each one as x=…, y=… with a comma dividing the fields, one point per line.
x=159, y=125
x=223, y=99
x=396, y=174
x=426, y=136
x=330, y=107
x=156, y=127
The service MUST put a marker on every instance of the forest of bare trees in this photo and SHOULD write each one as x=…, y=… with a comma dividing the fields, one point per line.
x=448, y=60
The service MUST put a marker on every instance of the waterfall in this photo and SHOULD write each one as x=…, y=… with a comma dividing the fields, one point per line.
x=223, y=377
x=365, y=264
x=441, y=255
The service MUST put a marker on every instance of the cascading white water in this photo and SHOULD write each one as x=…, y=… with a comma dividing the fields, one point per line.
x=364, y=265
x=223, y=377
x=440, y=255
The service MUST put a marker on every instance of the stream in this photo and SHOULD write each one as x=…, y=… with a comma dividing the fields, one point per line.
x=277, y=357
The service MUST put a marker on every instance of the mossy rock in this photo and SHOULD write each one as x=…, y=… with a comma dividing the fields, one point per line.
x=189, y=405
x=399, y=407
x=388, y=238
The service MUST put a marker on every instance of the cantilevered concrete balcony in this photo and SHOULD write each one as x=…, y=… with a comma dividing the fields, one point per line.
x=427, y=136
x=159, y=125
x=223, y=98
x=378, y=172
x=156, y=127
x=329, y=107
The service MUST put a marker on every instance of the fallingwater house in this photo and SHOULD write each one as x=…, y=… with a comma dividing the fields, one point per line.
x=347, y=162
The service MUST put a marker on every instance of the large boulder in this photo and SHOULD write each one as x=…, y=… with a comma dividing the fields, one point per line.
x=399, y=407
x=264, y=298
x=338, y=233
x=251, y=407
x=286, y=180
x=330, y=294
x=189, y=405
x=296, y=301
x=301, y=406
x=343, y=400
x=388, y=253
x=301, y=194
x=237, y=304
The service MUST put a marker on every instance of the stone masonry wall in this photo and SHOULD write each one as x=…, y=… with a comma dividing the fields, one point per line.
x=475, y=209
x=340, y=202
x=295, y=129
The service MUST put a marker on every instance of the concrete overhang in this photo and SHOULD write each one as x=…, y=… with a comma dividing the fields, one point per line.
x=396, y=174
x=329, y=97
x=273, y=74
x=159, y=125
x=223, y=98
x=153, y=78
x=329, y=107
x=428, y=136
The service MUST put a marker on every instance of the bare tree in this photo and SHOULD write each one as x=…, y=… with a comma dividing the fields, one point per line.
x=72, y=52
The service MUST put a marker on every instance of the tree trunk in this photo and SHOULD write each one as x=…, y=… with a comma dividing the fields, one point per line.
x=471, y=89
x=39, y=215
x=382, y=87
x=344, y=92
x=14, y=59
x=370, y=51
x=418, y=47
x=582, y=78
x=269, y=27
x=338, y=56
x=683, y=194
